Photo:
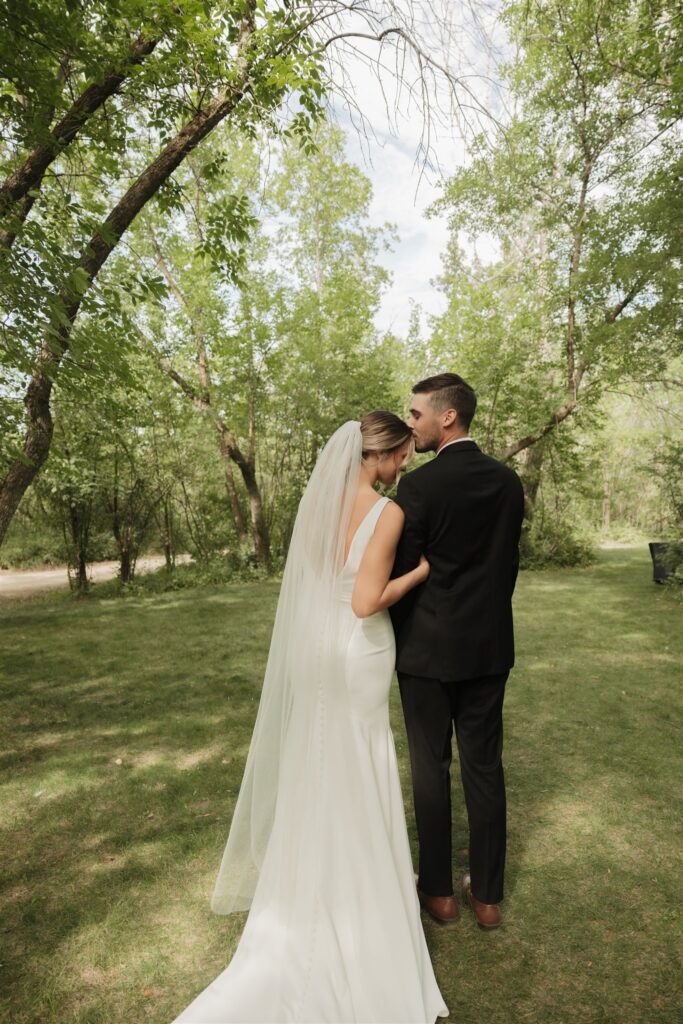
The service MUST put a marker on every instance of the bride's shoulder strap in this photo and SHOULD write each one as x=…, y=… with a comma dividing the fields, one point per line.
x=378, y=508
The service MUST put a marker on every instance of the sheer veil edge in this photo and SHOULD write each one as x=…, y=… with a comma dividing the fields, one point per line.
x=302, y=688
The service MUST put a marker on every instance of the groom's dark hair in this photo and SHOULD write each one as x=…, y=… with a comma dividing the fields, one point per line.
x=449, y=391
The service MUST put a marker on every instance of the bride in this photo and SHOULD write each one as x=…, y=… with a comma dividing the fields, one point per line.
x=318, y=848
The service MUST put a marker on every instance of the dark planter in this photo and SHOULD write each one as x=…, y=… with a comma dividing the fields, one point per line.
x=663, y=566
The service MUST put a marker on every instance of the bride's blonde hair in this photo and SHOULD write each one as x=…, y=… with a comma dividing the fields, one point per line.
x=383, y=432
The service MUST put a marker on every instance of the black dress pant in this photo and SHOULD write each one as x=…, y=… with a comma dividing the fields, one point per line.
x=432, y=709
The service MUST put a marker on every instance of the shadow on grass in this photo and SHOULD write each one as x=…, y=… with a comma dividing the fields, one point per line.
x=126, y=726
x=126, y=729
x=592, y=713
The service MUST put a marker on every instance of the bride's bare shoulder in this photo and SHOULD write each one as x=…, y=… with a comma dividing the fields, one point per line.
x=391, y=518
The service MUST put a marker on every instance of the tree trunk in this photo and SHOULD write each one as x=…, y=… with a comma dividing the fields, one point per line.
x=82, y=573
x=230, y=449
x=606, y=503
x=79, y=539
x=169, y=553
x=531, y=478
x=36, y=449
x=190, y=522
x=125, y=572
x=259, y=528
x=38, y=437
x=202, y=398
x=234, y=499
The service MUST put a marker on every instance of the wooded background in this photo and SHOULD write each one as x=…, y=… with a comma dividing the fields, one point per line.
x=190, y=276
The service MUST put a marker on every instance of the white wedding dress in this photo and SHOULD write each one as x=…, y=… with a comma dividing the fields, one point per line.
x=334, y=933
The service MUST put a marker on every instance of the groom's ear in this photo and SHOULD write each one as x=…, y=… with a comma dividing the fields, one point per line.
x=449, y=417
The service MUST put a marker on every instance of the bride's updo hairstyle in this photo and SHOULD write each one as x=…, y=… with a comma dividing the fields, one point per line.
x=383, y=433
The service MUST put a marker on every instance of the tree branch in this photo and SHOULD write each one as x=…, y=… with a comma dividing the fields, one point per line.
x=631, y=294
x=195, y=320
x=37, y=398
x=108, y=235
x=29, y=175
x=572, y=383
x=526, y=442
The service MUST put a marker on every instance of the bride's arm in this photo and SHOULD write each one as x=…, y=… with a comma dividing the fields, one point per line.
x=373, y=590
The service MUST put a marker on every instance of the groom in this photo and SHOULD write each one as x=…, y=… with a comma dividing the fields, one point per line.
x=454, y=642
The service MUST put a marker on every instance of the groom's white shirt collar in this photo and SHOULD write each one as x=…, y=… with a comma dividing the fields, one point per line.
x=454, y=441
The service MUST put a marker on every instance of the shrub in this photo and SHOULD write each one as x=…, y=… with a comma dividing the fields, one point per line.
x=552, y=543
x=230, y=568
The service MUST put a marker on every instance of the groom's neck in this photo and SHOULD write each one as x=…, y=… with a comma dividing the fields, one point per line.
x=451, y=435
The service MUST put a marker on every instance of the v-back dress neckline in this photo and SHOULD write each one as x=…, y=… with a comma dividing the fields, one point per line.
x=380, y=501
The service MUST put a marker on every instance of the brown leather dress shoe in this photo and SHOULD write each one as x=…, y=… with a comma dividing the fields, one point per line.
x=442, y=909
x=487, y=914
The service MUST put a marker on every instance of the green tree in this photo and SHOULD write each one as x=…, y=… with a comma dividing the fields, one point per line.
x=100, y=104
x=72, y=493
x=334, y=281
x=275, y=360
x=581, y=193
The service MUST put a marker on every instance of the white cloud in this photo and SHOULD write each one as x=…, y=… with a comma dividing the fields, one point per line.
x=391, y=152
x=416, y=257
x=402, y=191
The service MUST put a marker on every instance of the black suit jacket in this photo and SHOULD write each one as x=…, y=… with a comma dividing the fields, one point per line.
x=464, y=510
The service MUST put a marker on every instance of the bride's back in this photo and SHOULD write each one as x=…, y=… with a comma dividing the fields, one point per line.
x=363, y=502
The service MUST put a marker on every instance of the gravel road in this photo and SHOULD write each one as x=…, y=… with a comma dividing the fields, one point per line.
x=15, y=583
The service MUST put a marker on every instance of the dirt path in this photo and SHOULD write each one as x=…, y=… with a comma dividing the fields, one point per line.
x=16, y=583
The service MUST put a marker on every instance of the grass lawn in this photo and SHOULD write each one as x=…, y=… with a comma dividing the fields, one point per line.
x=125, y=725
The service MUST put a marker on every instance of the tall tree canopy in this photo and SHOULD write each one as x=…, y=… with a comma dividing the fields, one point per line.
x=100, y=104
x=581, y=192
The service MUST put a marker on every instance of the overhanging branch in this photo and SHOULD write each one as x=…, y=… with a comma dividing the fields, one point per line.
x=526, y=442
x=14, y=192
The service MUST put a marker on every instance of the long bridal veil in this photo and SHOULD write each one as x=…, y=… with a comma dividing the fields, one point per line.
x=300, y=742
